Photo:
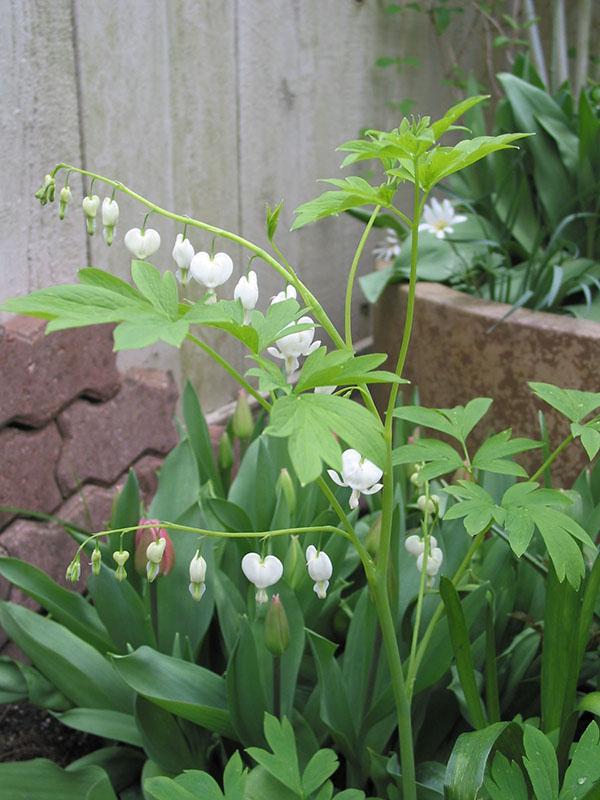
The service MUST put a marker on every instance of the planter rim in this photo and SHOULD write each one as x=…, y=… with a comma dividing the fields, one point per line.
x=493, y=311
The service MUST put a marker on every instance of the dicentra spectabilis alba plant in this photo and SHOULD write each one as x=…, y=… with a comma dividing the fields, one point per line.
x=338, y=440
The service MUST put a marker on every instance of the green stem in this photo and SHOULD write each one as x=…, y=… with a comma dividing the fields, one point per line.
x=307, y=295
x=154, y=609
x=222, y=534
x=401, y=697
x=552, y=457
x=349, y=529
x=277, y=686
x=437, y=614
x=422, y=587
x=222, y=362
x=352, y=277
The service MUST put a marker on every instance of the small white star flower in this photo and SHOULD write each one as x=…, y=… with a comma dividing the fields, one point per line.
x=389, y=248
x=359, y=474
x=439, y=218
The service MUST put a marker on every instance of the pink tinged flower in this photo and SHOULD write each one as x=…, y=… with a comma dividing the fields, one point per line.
x=211, y=271
x=142, y=244
x=143, y=538
x=291, y=347
x=246, y=291
x=320, y=570
x=359, y=474
x=262, y=572
x=289, y=293
x=439, y=218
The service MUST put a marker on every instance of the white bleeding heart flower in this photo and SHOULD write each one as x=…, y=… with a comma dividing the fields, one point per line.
x=320, y=570
x=262, y=572
x=439, y=218
x=429, y=505
x=142, y=244
x=110, y=217
x=110, y=212
x=434, y=562
x=90, y=205
x=289, y=293
x=211, y=271
x=359, y=474
x=246, y=290
x=183, y=252
x=154, y=554
x=291, y=347
x=197, y=576
x=416, y=546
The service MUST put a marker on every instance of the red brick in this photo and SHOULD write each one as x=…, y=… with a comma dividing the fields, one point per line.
x=146, y=469
x=27, y=469
x=42, y=374
x=100, y=441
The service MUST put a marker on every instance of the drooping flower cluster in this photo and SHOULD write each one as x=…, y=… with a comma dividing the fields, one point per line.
x=415, y=545
x=359, y=474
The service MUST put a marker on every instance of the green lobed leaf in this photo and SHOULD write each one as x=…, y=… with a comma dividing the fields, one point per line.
x=341, y=368
x=540, y=763
x=439, y=457
x=282, y=763
x=352, y=192
x=505, y=780
x=574, y=404
x=583, y=772
x=159, y=290
x=495, y=453
x=310, y=423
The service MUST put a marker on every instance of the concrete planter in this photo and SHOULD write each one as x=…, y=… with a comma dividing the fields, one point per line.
x=454, y=357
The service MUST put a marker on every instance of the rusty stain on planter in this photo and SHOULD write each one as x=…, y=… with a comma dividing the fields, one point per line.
x=454, y=357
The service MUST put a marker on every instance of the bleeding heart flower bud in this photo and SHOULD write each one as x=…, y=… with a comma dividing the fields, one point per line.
x=96, y=561
x=90, y=209
x=429, y=505
x=288, y=294
x=225, y=451
x=434, y=562
x=64, y=199
x=197, y=576
x=110, y=217
x=73, y=572
x=142, y=244
x=121, y=557
x=183, y=252
x=242, y=423
x=286, y=485
x=277, y=629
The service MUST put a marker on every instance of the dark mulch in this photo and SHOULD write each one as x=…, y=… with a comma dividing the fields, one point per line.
x=30, y=732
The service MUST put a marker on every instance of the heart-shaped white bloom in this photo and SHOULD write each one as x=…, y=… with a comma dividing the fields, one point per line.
x=434, y=562
x=438, y=218
x=246, y=290
x=110, y=212
x=415, y=545
x=156, y=550
x=142, y=244
x=291, y=347
x=429, y=504
x=288, y=294
x=197, y=585
x=211, y=272
x=262, y=573
x=320, y=569
x=359, y=474
x=183, y=252
x=90, y=205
